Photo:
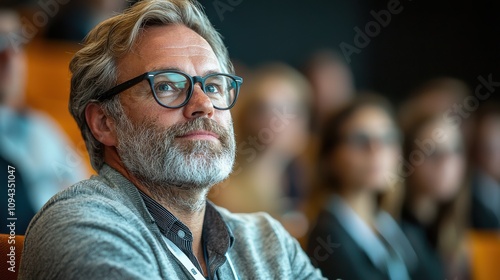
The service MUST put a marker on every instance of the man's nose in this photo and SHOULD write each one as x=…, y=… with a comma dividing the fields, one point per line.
x=199, y=105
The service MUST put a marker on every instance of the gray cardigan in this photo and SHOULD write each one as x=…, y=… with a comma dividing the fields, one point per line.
x=100, y=229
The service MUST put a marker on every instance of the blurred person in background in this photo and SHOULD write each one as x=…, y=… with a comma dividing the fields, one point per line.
x=435, y=212
x=486, y=168
x=271, y=125
x=333, y=87
x=444, y=96
x=29, y=139
x=332, y=82
x=360, y=147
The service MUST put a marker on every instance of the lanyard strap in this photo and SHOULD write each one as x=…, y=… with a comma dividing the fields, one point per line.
x=181, y=257
x=186, y=262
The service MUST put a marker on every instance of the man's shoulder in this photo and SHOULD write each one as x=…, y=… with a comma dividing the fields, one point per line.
x=91, y=224
x=82, y=192
x=254, y=229
x=261, y=220
x=263, y=249
x=86, y=200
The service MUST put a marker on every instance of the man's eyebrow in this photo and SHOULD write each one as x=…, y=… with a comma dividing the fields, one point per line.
x=180, y=70
x=211, y=72
x=159, y=68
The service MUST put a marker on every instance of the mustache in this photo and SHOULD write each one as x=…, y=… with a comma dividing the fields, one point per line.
x=181, y=129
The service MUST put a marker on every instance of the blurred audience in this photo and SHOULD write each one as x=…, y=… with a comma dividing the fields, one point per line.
x=29, y=139
x=332, y=83
x=354, y=238
x=271, y=123
x=434, y=214
x=486, y=168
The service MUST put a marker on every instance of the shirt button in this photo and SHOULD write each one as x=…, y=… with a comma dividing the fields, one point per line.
x=181, y=233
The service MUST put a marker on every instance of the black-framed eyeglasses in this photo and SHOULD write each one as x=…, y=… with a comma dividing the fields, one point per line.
x=173, y=89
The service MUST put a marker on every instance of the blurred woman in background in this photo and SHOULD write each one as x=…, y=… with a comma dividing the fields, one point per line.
x=332, y=82
x=353, y=237
x=271, y=126
x=435, y=209
x=485, y=205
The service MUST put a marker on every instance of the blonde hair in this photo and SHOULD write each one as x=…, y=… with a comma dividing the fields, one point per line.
x=93, y=67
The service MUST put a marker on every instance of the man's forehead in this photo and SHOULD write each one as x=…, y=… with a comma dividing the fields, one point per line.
x=170, y=46
x=173, y=40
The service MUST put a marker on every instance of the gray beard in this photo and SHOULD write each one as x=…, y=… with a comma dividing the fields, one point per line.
x=176, y=173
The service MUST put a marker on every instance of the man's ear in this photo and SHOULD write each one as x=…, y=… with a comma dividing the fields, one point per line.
x=101, y=126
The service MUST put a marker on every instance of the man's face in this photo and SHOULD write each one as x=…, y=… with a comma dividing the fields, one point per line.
x=189, y=147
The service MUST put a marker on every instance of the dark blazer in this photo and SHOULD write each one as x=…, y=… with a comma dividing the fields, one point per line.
x=429, y=265
x=332, y=250
x=482, y=217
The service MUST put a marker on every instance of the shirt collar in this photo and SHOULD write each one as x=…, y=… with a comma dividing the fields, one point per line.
x=163, y=218
x=217, y=236
x=216, y=233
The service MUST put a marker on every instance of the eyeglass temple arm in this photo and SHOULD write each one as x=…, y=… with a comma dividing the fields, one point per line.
x=121, y=87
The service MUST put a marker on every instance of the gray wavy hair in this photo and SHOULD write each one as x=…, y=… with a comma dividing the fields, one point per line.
x=93, y=67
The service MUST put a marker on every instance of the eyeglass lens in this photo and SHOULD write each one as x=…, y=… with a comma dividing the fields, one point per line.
x=173, y=89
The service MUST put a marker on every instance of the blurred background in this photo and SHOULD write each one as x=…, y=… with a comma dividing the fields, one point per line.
x=425, y=40
x=382, y=112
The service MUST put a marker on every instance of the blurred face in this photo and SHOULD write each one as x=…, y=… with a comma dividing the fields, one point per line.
x=441, y=174
x=437, y=101
x=189, y=147
x=368, y=151
x=489, y=146
x=278, y=117
x=12, y=61
x=333, y=87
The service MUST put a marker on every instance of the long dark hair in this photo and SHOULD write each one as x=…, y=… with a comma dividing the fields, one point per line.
x=452, y=215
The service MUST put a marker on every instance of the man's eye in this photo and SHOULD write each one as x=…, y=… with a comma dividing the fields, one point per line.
x=162, y=87
x=168, y=88
x=212, y=88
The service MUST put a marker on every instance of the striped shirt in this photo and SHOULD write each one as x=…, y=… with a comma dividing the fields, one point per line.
x=217, y=239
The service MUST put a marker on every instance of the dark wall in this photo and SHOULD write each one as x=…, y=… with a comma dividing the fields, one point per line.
x=422, y=40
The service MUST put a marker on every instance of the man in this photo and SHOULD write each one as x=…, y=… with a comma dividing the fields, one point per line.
x=150, y=91
x=29, y=139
